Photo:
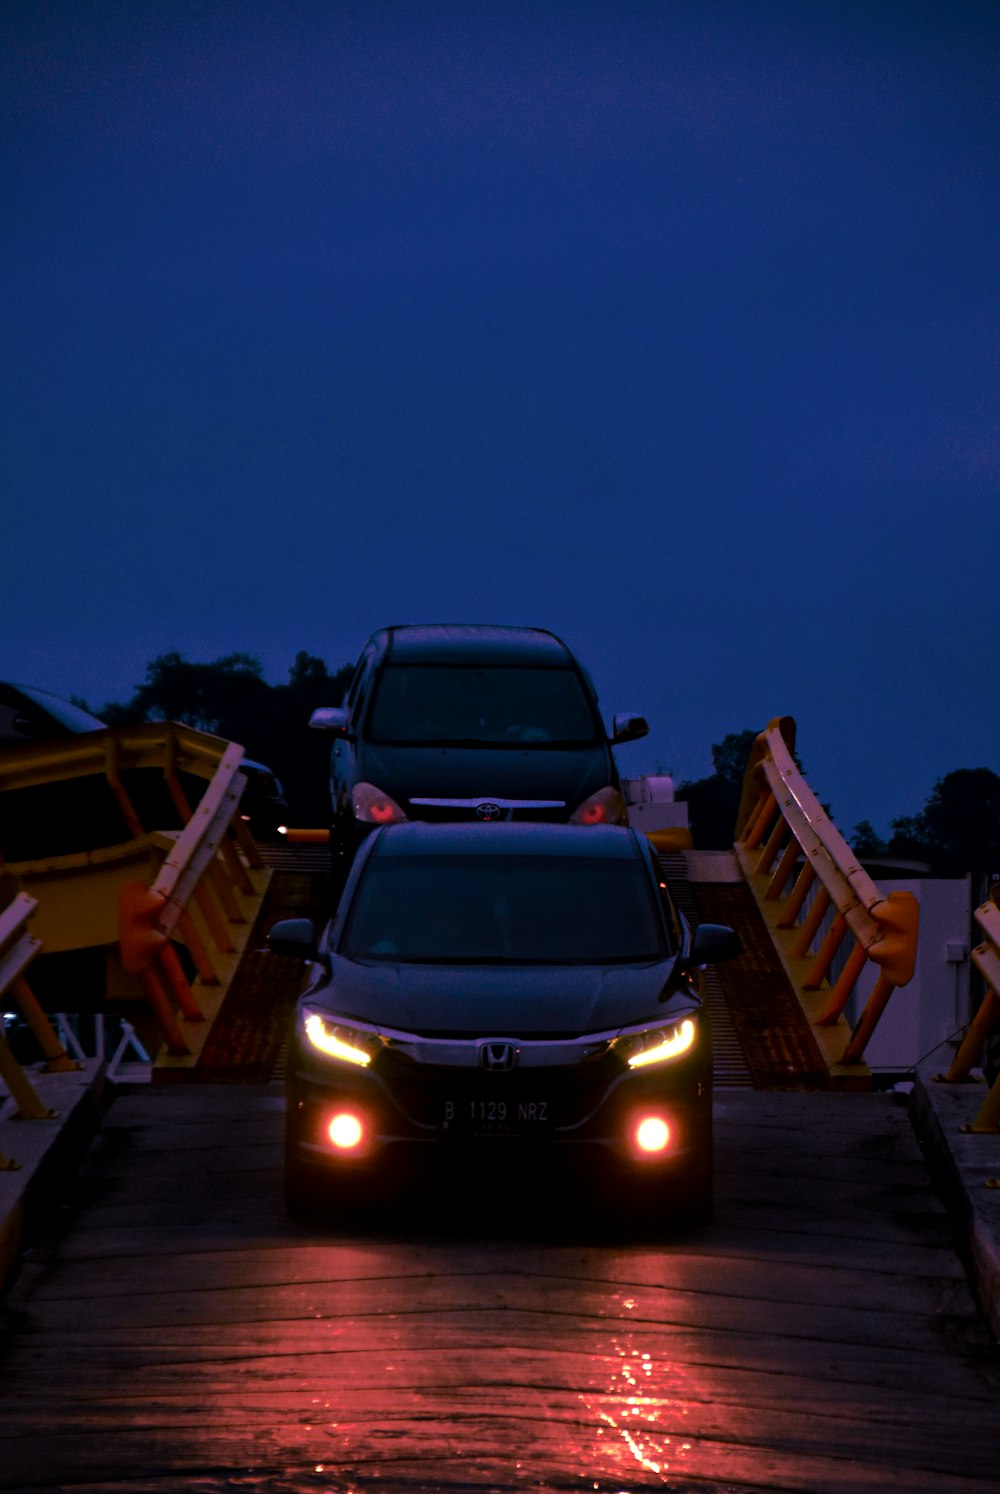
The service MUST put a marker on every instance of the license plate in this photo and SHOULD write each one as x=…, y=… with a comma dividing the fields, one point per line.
x=508, y=1117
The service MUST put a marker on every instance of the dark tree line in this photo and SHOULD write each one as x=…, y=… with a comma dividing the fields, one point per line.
x=713, y=802
x=231, y=698
x=957, y=831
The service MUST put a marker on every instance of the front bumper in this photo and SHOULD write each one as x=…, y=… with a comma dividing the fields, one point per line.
x=573, y=1113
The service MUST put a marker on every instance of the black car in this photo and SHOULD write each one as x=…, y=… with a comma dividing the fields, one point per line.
x=520, y=990
x=449, y=722
x=28, y=714
x=31, y=715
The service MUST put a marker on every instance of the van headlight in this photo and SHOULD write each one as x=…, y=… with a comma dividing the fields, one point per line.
x=606, y=807
x=372, y=806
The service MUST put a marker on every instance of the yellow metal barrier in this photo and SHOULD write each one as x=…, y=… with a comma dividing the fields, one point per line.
x=805, y=876
x=17, y=949
x=986, y=957
x=200, y=885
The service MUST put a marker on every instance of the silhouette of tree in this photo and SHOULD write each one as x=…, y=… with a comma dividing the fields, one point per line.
x=230, y=698
x=713, y=802
x=731, y=755
x=958, y=829
x=227, y=696
x=866, y=841
x=304, y=755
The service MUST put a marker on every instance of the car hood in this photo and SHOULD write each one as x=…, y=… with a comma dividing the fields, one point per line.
x=503, y=1000
x=569, y=775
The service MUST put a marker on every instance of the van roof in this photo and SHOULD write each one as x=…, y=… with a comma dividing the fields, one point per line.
x=456, y=643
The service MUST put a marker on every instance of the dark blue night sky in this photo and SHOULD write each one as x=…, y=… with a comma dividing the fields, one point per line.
x=671, y=327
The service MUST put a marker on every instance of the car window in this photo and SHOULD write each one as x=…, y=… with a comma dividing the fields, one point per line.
x=534, y=910
x=352, y=693
x=361, y=674
x=482, y=706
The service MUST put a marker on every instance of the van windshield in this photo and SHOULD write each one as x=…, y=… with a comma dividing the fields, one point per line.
x=482, y=706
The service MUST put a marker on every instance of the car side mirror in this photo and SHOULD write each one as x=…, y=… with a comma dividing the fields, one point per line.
x=293, y=936
x=329, y=718
x=27, y=726
x=713, y=943
x=628, y=728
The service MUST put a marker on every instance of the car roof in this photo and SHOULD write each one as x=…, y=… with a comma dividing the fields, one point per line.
x=459, y=643
x=523, y=838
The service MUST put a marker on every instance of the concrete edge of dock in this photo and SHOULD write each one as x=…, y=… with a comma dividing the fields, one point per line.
x=37, y=1155
x=966, y=1167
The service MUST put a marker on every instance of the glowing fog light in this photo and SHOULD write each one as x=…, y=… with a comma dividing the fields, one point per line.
x=346, y=1131
x=652, y=1134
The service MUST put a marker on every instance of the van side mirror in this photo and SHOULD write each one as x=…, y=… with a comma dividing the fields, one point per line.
x=628, y=728
x=329, y=718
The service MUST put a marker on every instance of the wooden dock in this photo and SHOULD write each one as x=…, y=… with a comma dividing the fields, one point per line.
x=176, y=1332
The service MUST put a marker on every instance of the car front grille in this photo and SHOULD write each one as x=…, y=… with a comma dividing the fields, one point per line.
x=441, y=813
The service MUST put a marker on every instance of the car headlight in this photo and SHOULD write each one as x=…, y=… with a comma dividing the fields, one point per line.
x=606, y=807
x=374, y=807
x=657, y=1044
x=339, y=1040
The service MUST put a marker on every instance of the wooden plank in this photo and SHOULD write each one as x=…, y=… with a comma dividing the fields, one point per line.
x=475, y=1451
x=807, y=1237
x=399, y=1365
x=347, y=1356
x=341, y=1282
x=755, y=1227
x=797, y=1324
x=500, y=1398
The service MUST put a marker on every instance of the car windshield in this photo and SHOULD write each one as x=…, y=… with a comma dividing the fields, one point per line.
x=531, y=910
x=483, y=706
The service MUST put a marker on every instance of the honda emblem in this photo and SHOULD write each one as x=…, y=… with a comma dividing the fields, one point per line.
x=497, y=1057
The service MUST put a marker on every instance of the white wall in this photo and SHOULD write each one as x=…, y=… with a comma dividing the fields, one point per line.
x=651, y=803
x=922, y=1016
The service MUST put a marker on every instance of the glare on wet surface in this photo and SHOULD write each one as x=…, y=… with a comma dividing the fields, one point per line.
x=182, y=1322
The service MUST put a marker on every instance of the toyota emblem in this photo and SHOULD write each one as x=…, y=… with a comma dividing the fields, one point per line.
x=489, y=811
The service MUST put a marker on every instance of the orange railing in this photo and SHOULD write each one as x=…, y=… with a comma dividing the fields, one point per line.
x=986, y=957
x=18, y=948
x=137, y=886
x=826, y=916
